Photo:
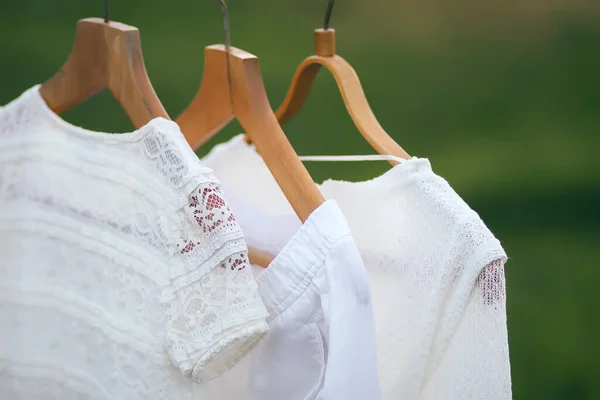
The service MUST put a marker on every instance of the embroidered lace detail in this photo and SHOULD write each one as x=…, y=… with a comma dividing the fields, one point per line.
x=113, y=247
x=215, y=314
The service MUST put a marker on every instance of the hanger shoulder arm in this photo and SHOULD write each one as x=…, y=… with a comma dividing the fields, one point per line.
x=252, y=109
x=211, y=108
x=105, y=55
x=128, y=79
x=85, y=72
x=354, y=99
x=206, y=115
x=299, y=89
x=359, y=109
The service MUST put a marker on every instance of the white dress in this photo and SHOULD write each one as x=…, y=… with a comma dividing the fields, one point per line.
x=123, y=273
x=321, y=339
x=435, y=271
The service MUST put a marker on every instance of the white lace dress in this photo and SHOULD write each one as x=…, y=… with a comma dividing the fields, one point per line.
x=123, y=274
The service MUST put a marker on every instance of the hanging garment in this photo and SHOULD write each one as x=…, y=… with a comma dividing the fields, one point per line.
x=321, y=339
x=120, y=263
x=435, y=271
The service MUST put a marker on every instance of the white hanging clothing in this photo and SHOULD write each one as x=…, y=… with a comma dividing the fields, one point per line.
x=123, y=272
x=435, y=271
x=321, y=339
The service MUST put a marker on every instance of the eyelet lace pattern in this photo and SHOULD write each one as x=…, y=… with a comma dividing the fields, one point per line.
x=123, y=273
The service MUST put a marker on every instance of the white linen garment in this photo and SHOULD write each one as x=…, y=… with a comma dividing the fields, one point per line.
x=123, y=273
x=435, y=271
x=321, y=339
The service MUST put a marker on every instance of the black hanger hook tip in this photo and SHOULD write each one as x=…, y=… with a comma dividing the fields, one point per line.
x=106, y=19
x=328, y=14
x=225, y=13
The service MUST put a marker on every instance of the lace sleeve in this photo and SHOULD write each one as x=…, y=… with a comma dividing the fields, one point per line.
x=213, y=310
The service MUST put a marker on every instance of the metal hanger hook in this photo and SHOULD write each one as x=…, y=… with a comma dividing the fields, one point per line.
x=225, y=13
x=328, y=14
x=106, y=19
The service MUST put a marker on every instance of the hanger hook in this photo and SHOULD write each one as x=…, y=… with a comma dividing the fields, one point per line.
x=225, y=13
x=106, y=11
x=328, y=14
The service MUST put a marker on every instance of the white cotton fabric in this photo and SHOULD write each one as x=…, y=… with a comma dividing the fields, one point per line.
x=436, y=272
x=321, y=339
x=123, y=273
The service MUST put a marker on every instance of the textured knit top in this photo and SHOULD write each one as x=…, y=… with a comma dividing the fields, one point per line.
x=123, y=272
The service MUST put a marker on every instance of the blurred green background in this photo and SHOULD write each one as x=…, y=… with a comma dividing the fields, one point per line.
x=502, y=96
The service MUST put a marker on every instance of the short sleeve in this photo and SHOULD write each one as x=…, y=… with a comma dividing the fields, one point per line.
x=214, y=314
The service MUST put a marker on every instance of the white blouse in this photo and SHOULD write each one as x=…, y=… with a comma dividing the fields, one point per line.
x=321, y=340
x=123, y=272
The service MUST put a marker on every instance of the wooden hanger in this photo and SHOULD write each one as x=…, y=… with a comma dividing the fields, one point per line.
x=350, y=88
x=232, y=87
x=354, y=98
x=206, y=124
x=105, y=55
x=213, y=107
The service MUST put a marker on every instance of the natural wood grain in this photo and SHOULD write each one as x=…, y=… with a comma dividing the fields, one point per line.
x=241, y=94
x=212, y=107
x=350, y=87
x=105, y=55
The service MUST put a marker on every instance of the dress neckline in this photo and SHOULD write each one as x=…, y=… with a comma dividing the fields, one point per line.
x=34, y=99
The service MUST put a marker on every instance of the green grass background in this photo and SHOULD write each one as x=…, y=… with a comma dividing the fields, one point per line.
x=502, y=96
